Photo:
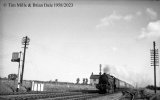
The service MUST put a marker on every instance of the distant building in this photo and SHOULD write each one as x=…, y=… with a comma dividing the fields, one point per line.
x=94, y=79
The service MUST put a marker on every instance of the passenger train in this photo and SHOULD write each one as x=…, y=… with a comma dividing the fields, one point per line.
x=109, y=84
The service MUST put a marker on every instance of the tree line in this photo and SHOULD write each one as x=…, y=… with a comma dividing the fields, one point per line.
x=85, y=81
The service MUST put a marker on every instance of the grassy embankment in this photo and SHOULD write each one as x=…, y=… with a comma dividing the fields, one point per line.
x=8, y=86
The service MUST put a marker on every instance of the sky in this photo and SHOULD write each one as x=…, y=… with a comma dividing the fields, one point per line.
x=67, y=43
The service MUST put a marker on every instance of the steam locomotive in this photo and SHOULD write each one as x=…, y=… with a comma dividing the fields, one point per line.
x=109, y=84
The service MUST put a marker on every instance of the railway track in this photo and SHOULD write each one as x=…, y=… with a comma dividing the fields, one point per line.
x=137, y=95
x=51, y=96
x=76, y=95
x=31, y=92
x=128, y=95
x=37, y=96
x=155, y=97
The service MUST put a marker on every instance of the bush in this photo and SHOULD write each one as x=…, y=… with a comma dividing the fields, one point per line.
x=12, y=76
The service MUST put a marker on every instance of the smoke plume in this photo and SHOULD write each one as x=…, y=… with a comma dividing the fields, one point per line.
x=128, y=74
x=106, y=69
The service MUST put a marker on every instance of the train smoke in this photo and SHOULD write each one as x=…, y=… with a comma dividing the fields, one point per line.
x=106, y=69
x=128, y=74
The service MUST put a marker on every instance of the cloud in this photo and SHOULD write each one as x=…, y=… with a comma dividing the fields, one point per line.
x=114, y=17
x=151, y=31
x=138, y=13
x=128, y=17
x=151, y=13
x=114, y=49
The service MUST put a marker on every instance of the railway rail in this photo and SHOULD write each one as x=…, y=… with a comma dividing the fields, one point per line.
x=75, y=97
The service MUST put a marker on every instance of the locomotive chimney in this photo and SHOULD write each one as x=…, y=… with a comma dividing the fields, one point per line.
x=100, y=69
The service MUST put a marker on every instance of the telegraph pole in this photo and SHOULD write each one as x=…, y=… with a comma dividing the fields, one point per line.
x=25, y=42
x=154, y=62
x=154, y=47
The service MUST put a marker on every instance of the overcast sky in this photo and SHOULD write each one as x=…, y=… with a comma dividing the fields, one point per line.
x=71, y=42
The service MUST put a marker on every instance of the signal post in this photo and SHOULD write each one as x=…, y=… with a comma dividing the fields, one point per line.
x=16, y=57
